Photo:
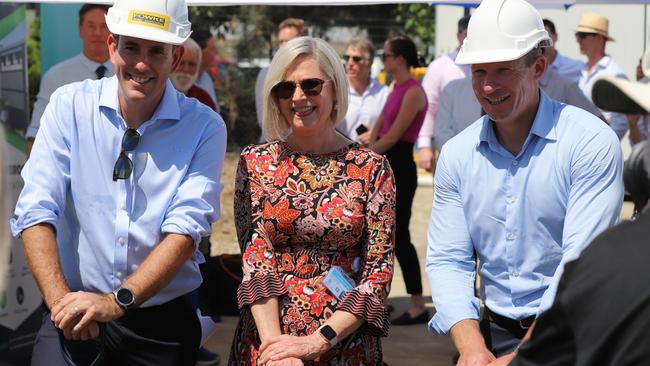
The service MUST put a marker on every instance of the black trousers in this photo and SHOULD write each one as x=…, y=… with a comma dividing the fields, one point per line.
x=167, y=334
x=499, y=340
x=400, y=157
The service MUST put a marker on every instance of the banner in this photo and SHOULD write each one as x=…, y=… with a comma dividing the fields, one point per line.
x=20, y=299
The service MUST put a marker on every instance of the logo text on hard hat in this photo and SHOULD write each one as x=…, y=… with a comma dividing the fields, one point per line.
x=149, y=19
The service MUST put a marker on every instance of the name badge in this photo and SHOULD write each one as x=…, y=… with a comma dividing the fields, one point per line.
x=338, y=282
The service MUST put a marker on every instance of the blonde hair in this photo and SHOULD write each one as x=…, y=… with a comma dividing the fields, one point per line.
x=274, y=126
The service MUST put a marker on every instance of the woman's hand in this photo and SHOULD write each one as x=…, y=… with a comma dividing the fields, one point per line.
x=291, y=361
x=286, y=346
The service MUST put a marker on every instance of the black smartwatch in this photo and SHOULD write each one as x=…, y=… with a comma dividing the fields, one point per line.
x=124, y=298
x=328, y=333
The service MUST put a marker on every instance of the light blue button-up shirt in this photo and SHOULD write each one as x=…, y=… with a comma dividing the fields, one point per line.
x=525, y=215
x=106, y=229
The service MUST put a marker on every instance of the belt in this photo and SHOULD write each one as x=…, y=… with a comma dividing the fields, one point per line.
x=511, y=324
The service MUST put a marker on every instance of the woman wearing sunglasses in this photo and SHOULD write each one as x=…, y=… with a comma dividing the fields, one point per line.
x=315, y=214
x=393, y=135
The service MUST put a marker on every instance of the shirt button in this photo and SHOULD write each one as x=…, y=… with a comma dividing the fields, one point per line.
x=512, y=200
x=511, y=236
x=517, y=302
x=123, y=207
x=121, y=241
x=515, y=273
x=515, y=162
x=119, y=274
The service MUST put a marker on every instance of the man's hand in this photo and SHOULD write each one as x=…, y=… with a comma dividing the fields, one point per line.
x=504, y=360
x=286, y=346
x=469, y=342
x=425, y=158
x=78, y=313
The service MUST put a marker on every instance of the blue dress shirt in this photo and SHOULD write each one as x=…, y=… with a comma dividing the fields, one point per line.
x=106, y=229
x=525, y=215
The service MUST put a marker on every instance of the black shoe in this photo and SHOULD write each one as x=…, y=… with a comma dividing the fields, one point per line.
x=405, y=319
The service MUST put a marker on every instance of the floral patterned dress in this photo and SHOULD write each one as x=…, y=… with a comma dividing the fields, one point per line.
x=297, y=215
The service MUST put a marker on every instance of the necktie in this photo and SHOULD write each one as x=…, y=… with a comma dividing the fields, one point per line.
x=100, y=71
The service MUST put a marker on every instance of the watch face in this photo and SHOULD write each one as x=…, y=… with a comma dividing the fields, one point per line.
x=328, y=332
x=124, y=296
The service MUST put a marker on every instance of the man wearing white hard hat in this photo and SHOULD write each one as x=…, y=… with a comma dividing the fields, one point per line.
x=520, y=191
x=122, y=183
x=592, y=34
x=600, y=315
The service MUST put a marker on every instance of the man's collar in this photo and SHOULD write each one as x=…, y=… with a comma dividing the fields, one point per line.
x=543, y=124
x=168, y=108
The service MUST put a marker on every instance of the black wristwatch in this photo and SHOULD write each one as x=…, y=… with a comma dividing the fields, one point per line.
x=124, y=298
x=329, y=334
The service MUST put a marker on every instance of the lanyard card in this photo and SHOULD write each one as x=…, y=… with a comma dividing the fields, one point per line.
x=338, y=282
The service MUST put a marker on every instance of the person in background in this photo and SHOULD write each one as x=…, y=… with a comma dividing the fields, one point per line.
x=288, y=29
x=393, y=135
x=208, y=44
x=92, y=63
x=183, y=79
x=600, y=315
x=311, y=207
x=367, y=96
x=439, y=73
x=639, y=124
x=519, y=193
x=187, y=72
x=565, y=66
x=122, y=183
x=592, y=34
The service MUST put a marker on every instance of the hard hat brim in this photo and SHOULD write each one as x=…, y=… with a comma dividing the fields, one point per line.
x=148, y=33
x=469, y=58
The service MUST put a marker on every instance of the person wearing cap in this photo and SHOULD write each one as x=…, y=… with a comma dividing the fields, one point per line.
x=592, y=34
x=521, y=191
x=367, y=96
x=122, y=183
x=601, y=315
x=567, y=67
x=439, y=73
x=92, y=63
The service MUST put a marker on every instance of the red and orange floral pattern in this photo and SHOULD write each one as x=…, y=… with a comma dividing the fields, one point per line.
x=297, y=215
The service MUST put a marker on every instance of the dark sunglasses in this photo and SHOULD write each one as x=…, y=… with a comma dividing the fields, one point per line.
x=124, y=166
x=583, y=35
x=285, y=89
x=386, y=55
x=356, y=59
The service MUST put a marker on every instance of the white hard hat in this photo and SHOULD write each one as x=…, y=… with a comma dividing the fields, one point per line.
x=502, y=30
x=163, y=21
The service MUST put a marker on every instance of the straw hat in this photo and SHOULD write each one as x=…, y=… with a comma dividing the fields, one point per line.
x=594, y=23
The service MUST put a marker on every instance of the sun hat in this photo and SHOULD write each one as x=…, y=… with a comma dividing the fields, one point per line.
x=591, y=22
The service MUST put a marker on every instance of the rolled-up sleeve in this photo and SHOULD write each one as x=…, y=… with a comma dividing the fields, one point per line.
x=450, y=263
x=260, y=277
x=196, y=206
x=368, y=299
x=47, y=173
x=596, y=181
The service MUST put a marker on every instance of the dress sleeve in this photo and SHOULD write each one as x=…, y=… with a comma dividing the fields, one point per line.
x=260, y=278
x=368, y=299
